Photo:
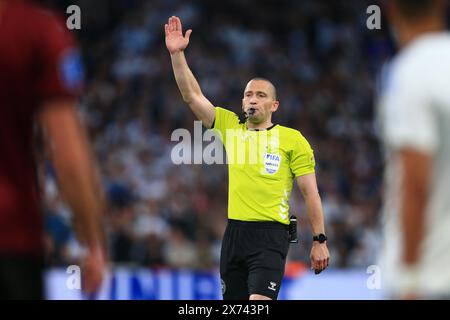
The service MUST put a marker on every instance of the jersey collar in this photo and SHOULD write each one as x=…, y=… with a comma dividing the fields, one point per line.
x=262, y=129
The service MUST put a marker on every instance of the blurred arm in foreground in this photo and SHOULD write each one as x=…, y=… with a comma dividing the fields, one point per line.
x=70, y=152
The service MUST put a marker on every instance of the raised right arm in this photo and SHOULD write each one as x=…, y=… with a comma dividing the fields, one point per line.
x=187, y=84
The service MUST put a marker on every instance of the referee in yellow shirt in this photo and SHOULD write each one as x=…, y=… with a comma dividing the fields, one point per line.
x=263, y=160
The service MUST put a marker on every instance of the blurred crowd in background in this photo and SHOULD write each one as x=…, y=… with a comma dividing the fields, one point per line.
x=323, y=61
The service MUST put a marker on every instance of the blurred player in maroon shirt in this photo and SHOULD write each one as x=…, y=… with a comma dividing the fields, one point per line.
x=40, y=75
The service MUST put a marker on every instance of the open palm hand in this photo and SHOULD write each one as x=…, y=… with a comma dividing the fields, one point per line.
x=175, y=41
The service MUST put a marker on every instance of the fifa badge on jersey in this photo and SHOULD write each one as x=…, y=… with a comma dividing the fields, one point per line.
x=272, y=162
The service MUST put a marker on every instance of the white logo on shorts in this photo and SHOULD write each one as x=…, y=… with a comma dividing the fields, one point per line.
x=272, y=286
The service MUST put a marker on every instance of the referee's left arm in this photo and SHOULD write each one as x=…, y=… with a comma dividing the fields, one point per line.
x=320, y=256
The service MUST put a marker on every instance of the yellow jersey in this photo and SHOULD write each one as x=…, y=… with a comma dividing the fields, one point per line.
x=262, y=165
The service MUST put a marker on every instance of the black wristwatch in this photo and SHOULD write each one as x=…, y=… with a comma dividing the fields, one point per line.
x=321, y=238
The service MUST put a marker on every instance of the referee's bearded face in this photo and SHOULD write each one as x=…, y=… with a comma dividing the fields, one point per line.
x=260, y=96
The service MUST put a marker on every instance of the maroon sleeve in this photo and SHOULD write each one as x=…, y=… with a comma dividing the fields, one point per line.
x=60, y=71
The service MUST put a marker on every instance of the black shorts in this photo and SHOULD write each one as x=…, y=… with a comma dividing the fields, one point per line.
x=253, y=258
x=21, y=278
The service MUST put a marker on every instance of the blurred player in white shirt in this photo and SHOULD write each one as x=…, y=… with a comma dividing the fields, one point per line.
x=414, y=114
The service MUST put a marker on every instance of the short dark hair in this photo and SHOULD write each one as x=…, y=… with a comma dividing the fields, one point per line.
x=414, y=9
x=271, y=84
